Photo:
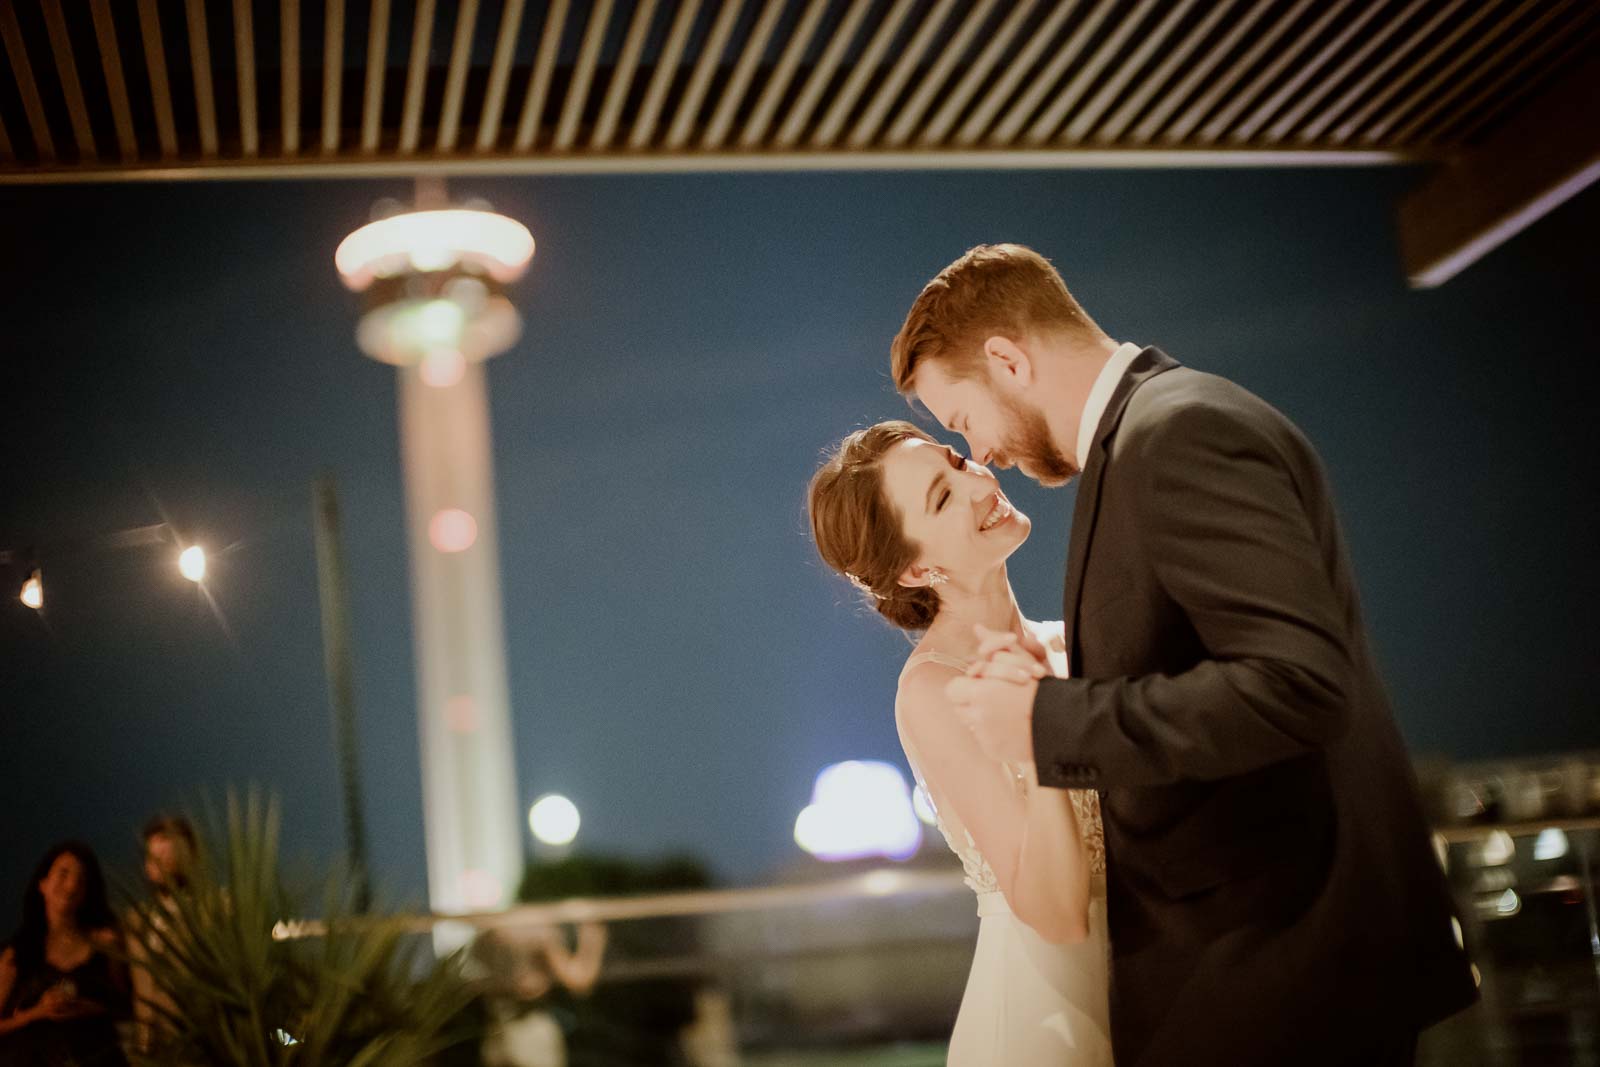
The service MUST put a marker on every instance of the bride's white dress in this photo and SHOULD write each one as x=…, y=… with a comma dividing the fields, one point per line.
x=1028, y=1003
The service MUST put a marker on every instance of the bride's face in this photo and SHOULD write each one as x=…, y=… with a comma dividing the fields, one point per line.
x=953, y=509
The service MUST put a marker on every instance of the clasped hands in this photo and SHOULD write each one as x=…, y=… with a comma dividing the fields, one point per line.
x=59, y=1005
x=994, y=699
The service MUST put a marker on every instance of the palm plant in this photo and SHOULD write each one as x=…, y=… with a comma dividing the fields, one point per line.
x=234, y=986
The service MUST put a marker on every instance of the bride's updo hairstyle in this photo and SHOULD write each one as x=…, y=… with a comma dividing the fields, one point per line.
x=860, y=534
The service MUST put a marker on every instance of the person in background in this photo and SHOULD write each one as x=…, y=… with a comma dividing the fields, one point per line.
x=62, y=986
x=170, y=848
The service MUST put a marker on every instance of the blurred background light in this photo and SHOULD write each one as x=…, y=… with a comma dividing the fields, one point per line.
x=1551, y=844
x=1496, y=849
x=859, y=808
x=452, y=530
x=554, y=819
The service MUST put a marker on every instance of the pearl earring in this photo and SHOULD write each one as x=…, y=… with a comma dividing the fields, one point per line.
x=937, y=577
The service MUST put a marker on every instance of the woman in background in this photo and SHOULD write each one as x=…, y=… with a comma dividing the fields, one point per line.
x=62, y=984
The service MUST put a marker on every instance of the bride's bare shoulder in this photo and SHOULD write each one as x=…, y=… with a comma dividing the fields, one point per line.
x=921, y=689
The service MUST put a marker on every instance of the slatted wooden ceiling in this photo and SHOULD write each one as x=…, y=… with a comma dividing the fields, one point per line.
x=110, y=88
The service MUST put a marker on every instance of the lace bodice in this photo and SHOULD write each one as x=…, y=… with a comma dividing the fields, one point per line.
x=980, y=876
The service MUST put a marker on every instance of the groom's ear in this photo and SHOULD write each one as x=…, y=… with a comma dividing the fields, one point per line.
x=1008, y=361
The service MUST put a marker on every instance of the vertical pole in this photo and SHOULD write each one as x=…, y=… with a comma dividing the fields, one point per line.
x=334, y=590
x=469, y=783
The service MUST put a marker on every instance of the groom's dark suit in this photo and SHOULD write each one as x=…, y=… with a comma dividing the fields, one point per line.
x=1273, y=897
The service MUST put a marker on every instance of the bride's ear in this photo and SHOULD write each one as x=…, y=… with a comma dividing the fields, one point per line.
x=916, y=576
x=1008, y=361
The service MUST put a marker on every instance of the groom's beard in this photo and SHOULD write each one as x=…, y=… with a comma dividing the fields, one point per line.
x=1031, y=449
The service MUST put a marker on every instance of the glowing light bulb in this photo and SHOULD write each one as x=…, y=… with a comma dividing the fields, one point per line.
x=192, y=563
x=452, y=530
x=554, y=819
x=33, y=591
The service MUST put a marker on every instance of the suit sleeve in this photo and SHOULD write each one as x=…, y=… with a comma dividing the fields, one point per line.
x=1224, y=527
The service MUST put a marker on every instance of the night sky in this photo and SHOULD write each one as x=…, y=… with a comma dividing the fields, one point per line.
x=680, y=663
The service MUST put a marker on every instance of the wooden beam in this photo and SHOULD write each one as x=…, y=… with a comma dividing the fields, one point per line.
x=205, y=104
x=1235, y=30
x=155, y=63
x=956, y=99
x=1184, y=125
x=377, y=64
x=1040, y=83
x=865, y=65
x=455, y=80
x=622, y=75
x=289, y=70
x=1011, y=74
x=67, y=70
x=1045, y=126
x=1388, y=85
x=594, y=39
x=544, y=64
x=32, y=103
x=416, y=77
x=700, y=78
x=778, y=83
x=1519, y=174
x=927, y=89
x=494, y=97
x=1458, y=57
x=116, y=86
x=392, y=165
x=1111, y=87
x=644, y=126
x=1172, y=59
x=1508, y=90
x=1516, y=46
x=1290, y=89
x=244, y=50
x=332, y=73
x=1381, y=32
x=755, y=46
x=1272, y=73
x=805, y=105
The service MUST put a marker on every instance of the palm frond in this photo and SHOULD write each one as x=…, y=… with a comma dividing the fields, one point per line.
x=231, y=992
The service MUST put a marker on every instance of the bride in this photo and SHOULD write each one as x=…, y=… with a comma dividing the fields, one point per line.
x=925, y=534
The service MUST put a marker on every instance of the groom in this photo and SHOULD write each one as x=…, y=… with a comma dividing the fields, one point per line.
x=1272, y=895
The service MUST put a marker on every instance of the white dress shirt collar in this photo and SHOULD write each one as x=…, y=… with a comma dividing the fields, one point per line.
x=1094, y=408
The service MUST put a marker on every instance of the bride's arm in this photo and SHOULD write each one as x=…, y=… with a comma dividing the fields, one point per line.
x=1031, y=841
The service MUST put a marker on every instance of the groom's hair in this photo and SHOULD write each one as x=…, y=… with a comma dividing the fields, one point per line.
x=1006, y=290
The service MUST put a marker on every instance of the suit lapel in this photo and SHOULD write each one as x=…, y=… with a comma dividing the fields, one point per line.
x=1146, y=365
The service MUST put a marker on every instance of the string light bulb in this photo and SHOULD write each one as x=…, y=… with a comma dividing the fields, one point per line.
x=33, y=591
x=192, y=563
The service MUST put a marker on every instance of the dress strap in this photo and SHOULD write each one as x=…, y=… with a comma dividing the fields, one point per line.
x=941, y=658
